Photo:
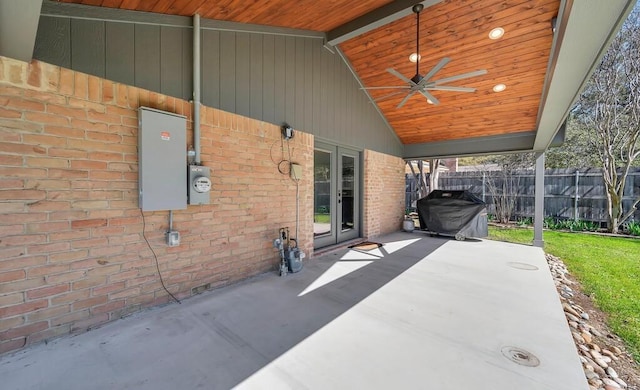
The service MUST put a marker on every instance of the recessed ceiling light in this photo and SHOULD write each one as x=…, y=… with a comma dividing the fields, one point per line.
x=414, y=57
x=429, y=101
x=496, y=33
x=499, y=87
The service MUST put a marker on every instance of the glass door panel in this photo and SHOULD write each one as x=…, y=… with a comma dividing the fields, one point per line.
x=345, y=194
x=348, y=194
x=336, y=214
x=323, y=195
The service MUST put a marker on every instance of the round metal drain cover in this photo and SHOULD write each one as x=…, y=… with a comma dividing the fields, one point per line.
x=520, y=356
x=524, y=266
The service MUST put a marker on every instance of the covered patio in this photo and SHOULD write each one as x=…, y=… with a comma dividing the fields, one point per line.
x=417, y=312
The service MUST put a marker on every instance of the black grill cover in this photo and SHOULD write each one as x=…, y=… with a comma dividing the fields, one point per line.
x=457, y=213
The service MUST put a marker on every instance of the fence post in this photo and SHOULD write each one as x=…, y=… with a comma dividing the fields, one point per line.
x=484, y=178
x=575, y=197
x=538, y=213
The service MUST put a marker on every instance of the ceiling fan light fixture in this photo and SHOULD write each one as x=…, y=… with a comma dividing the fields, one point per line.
x=423, y=84
x=496, y=33
x=499, y=87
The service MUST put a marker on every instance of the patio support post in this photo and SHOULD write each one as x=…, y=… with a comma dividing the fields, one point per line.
x=538, y=213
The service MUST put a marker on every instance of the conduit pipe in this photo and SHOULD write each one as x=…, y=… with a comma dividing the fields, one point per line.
x=196, y=87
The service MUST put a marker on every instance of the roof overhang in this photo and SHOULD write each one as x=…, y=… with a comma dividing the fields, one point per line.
x=585, y=30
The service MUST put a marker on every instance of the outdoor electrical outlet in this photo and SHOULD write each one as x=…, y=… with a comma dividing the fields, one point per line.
x=296, y=171
x=173, y=238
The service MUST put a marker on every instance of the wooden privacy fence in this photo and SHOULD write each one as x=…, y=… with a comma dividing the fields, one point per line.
x=570, y=193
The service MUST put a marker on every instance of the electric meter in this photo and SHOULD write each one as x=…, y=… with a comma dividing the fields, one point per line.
x=199, y=184
x=202, y=184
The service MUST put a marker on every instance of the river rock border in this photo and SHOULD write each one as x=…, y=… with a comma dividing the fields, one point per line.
x=598, y=356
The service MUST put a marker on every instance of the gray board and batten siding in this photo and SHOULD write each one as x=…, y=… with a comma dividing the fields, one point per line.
x=273, y=75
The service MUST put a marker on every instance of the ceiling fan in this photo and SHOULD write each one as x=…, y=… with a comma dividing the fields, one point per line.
x=424, y=84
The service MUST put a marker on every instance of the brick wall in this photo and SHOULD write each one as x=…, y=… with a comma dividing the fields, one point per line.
x=384, y=193
x=72, y=251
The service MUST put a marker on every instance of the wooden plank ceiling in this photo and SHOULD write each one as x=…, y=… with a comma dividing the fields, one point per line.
x=316, y=15
x=458, y=29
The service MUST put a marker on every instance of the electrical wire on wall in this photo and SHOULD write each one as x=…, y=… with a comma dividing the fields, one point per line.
x=284, y=167
x=144, y=228
x=297, y=180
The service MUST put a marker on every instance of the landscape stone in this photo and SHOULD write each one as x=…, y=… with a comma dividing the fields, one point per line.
x=570, y=309
x=610, y=383
x=621, y=382
x=602, y=363
x=597, y=383
x=599, y=370
x=594, y=358
x=608, y=353
x=595, y=347
x=572, y=317
x=591, y=375
x=586, y=336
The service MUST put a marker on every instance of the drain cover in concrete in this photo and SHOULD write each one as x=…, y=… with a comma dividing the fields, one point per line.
x=520, y=356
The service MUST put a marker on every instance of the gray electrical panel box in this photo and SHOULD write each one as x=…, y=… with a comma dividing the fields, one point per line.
x=199, y=184
x=162, y=155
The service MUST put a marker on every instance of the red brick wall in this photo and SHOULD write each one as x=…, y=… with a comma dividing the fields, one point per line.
x=72, y=251
x=384, y=192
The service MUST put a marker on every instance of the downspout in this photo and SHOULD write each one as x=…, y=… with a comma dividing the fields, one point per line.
x=196, y=87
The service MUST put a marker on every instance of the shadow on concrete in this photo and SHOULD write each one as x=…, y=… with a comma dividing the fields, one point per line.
x=218, y=339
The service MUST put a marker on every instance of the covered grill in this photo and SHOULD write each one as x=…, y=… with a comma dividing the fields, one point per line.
x=457, y=213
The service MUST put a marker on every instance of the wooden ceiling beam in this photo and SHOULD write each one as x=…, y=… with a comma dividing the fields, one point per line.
x=477, y=145
x=377, y=18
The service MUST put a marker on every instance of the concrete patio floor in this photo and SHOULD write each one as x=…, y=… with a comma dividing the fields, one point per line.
x=417, y=313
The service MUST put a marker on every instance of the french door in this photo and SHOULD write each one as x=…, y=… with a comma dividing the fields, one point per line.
x=336, y=194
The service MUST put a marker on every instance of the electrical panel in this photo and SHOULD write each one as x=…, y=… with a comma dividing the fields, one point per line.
x=162, y=155
x=199, y=184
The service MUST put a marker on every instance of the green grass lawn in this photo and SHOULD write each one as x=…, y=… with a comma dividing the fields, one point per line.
x=322, y=218
x=607, y=267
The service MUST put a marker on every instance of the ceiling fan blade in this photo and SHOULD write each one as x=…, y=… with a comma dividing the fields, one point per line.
x=405, y=99
x=430, y=97
x=400, y=76
x=435, y=69
x=450, y=88
x=461, y=76
x=388, y=96
x=392, y=87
